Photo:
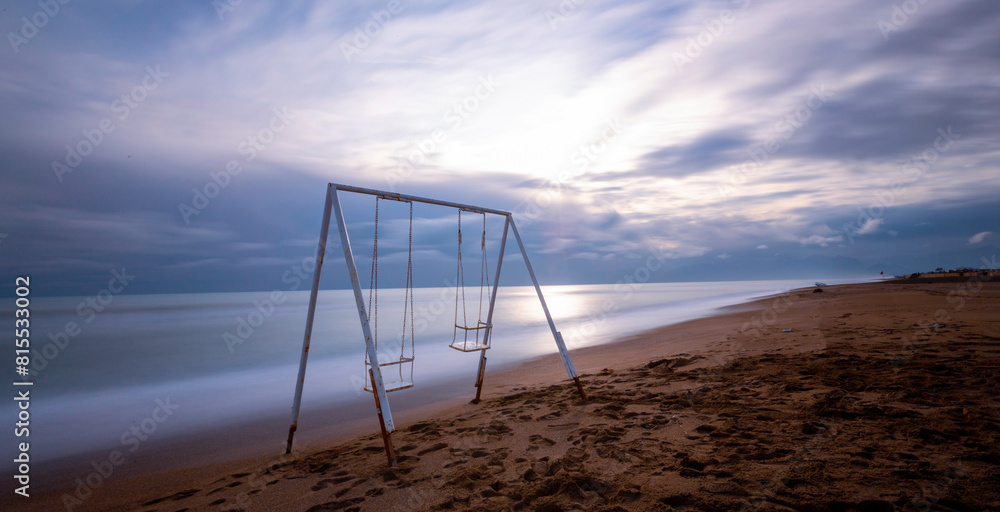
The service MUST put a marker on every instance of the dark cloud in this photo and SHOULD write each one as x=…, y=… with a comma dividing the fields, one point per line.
x=964, y=30
x=891, y=119
x=710, y=151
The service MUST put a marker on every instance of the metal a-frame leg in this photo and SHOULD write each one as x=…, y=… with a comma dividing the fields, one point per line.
x=381, y=401
x=489, y=315
x=563, y=352
x=310, y=314
x=375, y=373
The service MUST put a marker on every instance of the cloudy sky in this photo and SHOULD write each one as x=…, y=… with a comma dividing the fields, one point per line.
x=190, y=141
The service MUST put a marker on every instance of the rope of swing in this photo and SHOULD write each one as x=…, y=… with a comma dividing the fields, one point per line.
x=484, y=285
x=483, y=276
x=408, y=297
x=460, y=285
x=408, y=307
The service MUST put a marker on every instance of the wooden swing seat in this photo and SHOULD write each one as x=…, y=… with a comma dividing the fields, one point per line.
x=470, y=345
x=391, y=386
x=401, y=360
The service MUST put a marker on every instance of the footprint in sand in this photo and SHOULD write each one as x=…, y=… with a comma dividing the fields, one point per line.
x=542, y=440
x=224, y=487
x=433, y=448
x=173, y=497
x=327, y=482
x=345, y=505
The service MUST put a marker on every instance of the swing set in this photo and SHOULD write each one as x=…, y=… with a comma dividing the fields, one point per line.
x=469, y=334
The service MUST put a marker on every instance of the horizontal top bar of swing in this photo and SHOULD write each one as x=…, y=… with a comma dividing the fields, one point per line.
x=406, y=197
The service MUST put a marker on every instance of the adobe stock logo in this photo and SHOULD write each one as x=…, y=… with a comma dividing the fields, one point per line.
x=371, y=29
x=30, y=27
x=455, y=116
x=102, y=469
x=900, y=16
x=224, y=7
x=251, y=147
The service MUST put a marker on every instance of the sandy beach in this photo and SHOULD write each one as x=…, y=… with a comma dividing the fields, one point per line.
x=845, y=399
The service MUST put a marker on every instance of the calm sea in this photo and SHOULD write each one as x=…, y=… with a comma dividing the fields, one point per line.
x=230, y=357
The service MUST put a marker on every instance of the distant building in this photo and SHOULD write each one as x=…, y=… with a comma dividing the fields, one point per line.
x=960, y=272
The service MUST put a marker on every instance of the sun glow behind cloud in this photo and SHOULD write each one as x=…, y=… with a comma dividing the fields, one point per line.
x=556, y=92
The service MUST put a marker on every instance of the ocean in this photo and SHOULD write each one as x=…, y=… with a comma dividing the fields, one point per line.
x=206, y=360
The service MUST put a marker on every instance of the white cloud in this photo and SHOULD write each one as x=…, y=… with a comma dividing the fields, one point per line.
x=821, y=240
x=979, y=237
x=871, y=226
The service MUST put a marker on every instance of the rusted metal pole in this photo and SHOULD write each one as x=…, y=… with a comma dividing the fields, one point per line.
x=310, y=314
x=576, y=379
x=390, y=453
x=563, y=352
x=479, y=376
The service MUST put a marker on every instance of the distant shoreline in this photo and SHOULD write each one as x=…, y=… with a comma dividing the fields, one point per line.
x=944, y=279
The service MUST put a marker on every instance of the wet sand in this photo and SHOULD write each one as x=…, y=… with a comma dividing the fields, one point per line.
x=864, y=405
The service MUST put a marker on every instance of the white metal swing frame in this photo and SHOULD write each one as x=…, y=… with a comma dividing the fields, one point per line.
x=374, y=369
